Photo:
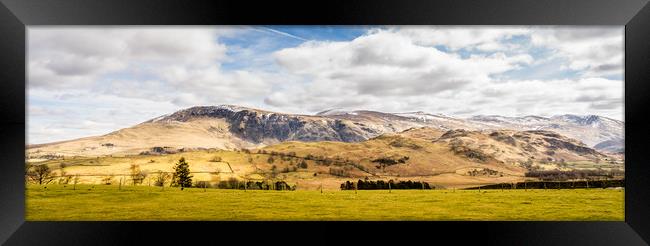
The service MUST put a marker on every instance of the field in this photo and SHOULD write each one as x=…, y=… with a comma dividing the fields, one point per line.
x=254, y=166
x=107, y=202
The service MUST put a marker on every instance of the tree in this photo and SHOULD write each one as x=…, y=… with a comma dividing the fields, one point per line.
x=161, y=178
x=28, y=167
x=274, y=171
x=40, y=174
x=270, y=160
x=303, y=164
x=65, y=178
x=62, y=167
x=182, y=176
x=107, y=180
x=75, y=181
x=137, y=175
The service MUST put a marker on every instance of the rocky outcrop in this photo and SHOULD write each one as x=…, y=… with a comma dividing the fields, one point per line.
x=261, y=126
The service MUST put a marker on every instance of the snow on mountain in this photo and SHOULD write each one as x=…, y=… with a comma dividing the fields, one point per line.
x=591, y=129
x=242, y=126
x=596, y=131
x=422, y=116
x=336, y=111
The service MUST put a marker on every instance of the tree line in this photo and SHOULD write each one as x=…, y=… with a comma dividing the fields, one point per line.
x=234, y=183
x=557, y=175
x=578, y=184
x=385, y=185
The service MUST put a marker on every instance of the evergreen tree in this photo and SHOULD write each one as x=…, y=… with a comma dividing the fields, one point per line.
x=182, y=175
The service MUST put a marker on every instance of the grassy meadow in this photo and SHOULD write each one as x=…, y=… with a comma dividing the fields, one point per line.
x=143, y=203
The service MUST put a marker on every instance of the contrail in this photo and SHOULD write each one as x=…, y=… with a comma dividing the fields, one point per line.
x=283, y=33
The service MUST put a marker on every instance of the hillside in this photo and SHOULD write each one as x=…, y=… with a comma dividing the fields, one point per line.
x=224, y=127
x=225, y=142
x=598, y=132
x=230, y=127
x=536, y=149
x=191, y=134
x=455, y=158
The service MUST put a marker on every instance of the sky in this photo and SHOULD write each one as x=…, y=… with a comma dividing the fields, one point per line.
x=87, y=81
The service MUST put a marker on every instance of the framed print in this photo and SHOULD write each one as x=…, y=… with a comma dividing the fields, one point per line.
x=518, y=122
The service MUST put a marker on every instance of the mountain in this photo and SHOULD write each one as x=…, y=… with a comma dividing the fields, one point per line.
x=231, y=126
x=336, y=145
x=599, y=132
x=223, y=127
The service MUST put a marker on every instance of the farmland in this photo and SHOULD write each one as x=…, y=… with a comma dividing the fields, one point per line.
x=110, y=202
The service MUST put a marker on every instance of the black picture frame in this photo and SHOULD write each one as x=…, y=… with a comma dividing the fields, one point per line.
x=16, y=15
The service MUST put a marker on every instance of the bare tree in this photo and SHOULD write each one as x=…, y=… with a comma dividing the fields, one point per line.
x=107, y=180
x=62, y=167
x=75, y=180
x=161, y=179
x=64, y=177
x=40, y=174
x=137, y=175
x=28, y=166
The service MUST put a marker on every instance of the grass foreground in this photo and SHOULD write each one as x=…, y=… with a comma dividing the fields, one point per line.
x=142, y=203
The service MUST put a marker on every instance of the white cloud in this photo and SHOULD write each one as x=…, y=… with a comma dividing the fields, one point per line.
x=484, y=38
x=381, y=64
x=597, y=50
x=92, y=80
x=77, y=57
x=172, y=67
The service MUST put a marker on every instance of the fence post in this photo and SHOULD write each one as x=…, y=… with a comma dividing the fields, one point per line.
x=389, y=188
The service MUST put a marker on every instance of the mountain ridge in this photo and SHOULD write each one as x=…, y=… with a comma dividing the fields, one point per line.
x=262, y=127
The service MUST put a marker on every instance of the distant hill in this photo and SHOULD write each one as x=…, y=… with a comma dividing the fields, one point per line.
x=336, y=145
x=592, y=130
x=231, y=126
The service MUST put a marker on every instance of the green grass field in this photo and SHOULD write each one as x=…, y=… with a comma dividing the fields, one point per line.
x=102, y=202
